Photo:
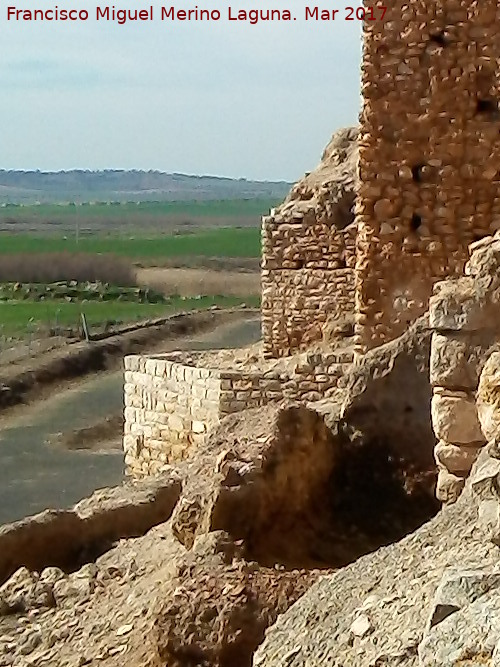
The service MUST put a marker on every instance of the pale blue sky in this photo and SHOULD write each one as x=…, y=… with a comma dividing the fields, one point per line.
x=223, y=98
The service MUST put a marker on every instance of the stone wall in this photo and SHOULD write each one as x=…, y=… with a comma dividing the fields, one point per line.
x=170, y=407
x=465, y=317
x=308, y=253
x=429, y=155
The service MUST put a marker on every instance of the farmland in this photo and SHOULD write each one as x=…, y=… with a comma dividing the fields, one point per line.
x=21, y=318
x=212, y=244
x=223, y=242
x=119, y=219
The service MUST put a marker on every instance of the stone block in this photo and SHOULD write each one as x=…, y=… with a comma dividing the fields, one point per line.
x=454, y=418
x=457, y=358
x=150, y=367
x=161, y=367
x=449, y=486
x=130, y=444
x=488, y=398
x=199, y=390
x=198, y=427
x=130, y=414
x=457, y=306
x=455, y=458
x=213, y=394
x=176, y=422
x=132, y=362
x=229, y=407
x=134, y=401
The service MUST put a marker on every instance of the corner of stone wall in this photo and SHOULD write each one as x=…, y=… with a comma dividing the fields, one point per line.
x=169, y=409
x=307, y=276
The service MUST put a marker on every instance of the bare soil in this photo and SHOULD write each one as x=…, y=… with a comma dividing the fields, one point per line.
x=104, y=434
x=245, y=264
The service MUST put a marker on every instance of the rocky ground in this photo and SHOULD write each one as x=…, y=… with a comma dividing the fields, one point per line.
x=376, y=611
x=149, y=601
x=278, y=498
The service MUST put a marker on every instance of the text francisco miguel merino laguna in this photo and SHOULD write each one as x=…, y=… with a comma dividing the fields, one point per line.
x=121, y=16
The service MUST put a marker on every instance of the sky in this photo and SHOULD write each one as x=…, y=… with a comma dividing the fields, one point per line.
x=222, y=98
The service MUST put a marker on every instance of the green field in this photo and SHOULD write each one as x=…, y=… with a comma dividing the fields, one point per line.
x=223, y=242
x=120, y=218
x=227, y=208
x=192, y=231
x=19, y=318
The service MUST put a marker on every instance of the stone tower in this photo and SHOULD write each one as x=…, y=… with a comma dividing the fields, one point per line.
x=429, y=154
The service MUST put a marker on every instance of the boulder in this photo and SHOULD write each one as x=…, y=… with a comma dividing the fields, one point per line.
x=388, y=396
x=396, y=589
x=458, y=460
x=457, y=358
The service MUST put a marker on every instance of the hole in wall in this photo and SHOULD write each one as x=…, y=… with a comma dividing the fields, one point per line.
x=487, y=107
x=415, y=222
x=439, y=38
x=417, y=172
x=299, y=264
x=354, y=495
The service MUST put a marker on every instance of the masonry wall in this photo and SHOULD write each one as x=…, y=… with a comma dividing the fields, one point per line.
x=465, y=316
x=429, y=155
x=307, y=280
x=308, y=253
x=170, y=408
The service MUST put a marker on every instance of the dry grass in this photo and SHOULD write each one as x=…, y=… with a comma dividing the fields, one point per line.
x=58, y=266
x=192, y=282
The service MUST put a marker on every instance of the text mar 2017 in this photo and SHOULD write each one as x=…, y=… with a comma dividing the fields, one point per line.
x=171, y=13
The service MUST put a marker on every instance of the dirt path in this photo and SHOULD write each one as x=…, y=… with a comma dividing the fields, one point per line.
x=35, y=378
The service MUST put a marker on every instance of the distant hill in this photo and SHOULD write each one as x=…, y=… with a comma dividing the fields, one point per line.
x=29, y=187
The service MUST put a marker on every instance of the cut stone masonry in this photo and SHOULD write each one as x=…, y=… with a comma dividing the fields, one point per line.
x=360, y=242
x=171, y=406
x=308, y=253
x=465, y=316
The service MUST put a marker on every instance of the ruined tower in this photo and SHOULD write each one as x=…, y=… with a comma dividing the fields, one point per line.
x=428, y=181
x=429, y=154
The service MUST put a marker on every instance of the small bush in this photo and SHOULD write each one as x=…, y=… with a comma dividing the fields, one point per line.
x=59, y=266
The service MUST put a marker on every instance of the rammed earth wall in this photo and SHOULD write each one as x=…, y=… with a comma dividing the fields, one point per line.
x=171, y=407
x=429, y=155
